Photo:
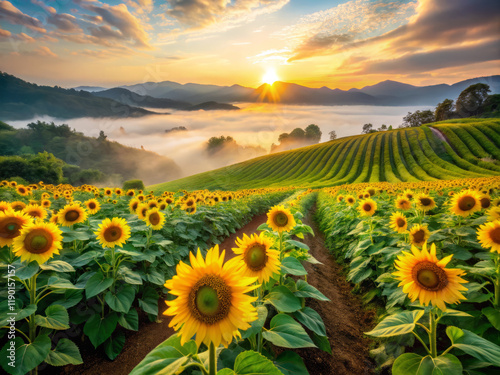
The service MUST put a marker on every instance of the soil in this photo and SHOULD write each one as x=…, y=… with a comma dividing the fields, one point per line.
x=344, y=317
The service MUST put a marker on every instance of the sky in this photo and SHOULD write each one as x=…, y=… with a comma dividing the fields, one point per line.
x=338, y=44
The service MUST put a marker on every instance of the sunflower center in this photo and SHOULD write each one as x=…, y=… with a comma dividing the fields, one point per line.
x=38, y=241
x=210, y=299
x=72, y=215
x=281, y=219
x=154, y=218
x=400, y=222
x=429, y=276
x=419, y=236
x=256, y=257
x=189, y=203
x=350, y=200
x=92, y=205
x=485, y=202
x=112, y=234
x=495, y=235
x=425, y=201
x=10, y=229
x=466, y=203
x=367, y=207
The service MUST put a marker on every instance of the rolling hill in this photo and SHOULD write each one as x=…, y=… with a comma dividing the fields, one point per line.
x=444, y=150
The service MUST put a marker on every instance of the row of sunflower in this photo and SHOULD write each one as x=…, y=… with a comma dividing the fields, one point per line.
x=415, y=250
x=88, y=263
x=229, y=315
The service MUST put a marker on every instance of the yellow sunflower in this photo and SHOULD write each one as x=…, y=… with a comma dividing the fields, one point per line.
x=141, y=210
x=419, y=234
x=35, y=211
x=280, y=219
x=256, y=258
x=485, y=200
x=155, y=218
x=403, y=203
x=493, y=213
x=11, y=223
x=22, y=190
x=108, y=192
x=398, y=222
x=133, y=204
x=46, y=203
x=71, y=214
x=350, y=200
x=38, y=241
x=18, y=205
x=211, y=299
x=489, y=236
x=93, y=206
x=189, y=206
x=424, y=202
x=408, y=194
x=465, y=203
x=4, y=206
x=113, y=232
x=130, y=192
x=427, y=279
x=340, y=198
x=367, y=207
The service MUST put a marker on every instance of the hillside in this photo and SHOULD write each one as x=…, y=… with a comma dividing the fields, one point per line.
x=133, y=99
x=445, y=150
x=21, y=100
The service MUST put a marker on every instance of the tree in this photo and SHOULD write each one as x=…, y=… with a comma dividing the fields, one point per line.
x=313, y=133
x=102, y=137
x=470, y=101
x=216, y=144
x=367, y=128
x=444, y=110
x=333, y=135
x=418, y=118
x=382, y=128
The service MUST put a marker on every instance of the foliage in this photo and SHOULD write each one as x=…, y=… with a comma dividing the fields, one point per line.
x=418, y=118
x=470, y=101
x=134, y=184
x=444, y=110
x=32, y=168
x=298, y=137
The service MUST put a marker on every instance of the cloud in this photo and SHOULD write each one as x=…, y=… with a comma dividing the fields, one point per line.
x=62, y=21
x=43, y=51
x=12, y=15
x=5, y=33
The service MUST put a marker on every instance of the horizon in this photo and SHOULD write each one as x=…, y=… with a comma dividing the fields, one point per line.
x=340, y=44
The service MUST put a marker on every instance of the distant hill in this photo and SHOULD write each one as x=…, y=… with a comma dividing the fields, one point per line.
x=89, y=88
x=21, y=100
x=437, y=151
x=212, y=106
x=133, y=99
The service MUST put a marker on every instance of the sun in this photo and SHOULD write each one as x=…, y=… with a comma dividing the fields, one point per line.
x=270, y=77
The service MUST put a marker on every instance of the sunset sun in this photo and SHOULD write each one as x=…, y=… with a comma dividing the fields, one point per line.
x=270, y=77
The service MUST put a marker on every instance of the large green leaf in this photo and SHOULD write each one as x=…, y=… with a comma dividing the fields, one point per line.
x=56, y=318
x=97, y=284
x=129, y=276
x=287, y=333
x=397, y=324
x=166, y=358
x=290, y=363
x=25, y=271
x=57, y=266
x=55, y=282
x=65, y=353
x=311, y=319
x=129, y=320
x=322, y=342
x=414, y=364
x=474, y=345
x=283, y=299
x=122, y=300
x=19, y=315
x=493, y=316
x=251, y=363
x=257, y=324
x=114, y=345
x=149, y=301
x=292, y=266
x=307, y=290
x=98, y=329
x=70, y=298
x=27, y=356
x=298, y=244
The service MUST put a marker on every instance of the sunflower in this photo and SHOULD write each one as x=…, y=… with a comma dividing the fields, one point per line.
x=408, y=194
x=403, y=203
x=280, y=219
x=11, y=223
x=108, y=192
x=4, y=206
x=189, y=206
x=211, y=299
x=93, y=206
x=493, y=213
x=18, y=205
x=153, y=203
x=38, y=241
x=35, y=211
x=141, y=210
x=155, y=218
x=465, y=203
x=133, y=204
x=424, y=202
x=130, y=193
x=398, y=222
x=46, y=203
x=118, y=191
x=489, y=236
x=113, y=232
x=141, y=196
x=256, y=257
x=425, y=277
x=485, y=200
x=350, y=200
x=71, y=214
x=340, y=198
x=22, y=190
x=419, y=234
x=367, y=207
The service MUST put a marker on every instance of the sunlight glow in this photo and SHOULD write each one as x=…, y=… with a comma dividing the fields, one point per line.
x=270, y=77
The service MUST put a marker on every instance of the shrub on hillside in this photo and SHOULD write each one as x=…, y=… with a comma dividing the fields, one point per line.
x=133, y=184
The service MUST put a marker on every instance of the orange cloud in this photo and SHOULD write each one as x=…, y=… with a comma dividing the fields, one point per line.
x=14, y=16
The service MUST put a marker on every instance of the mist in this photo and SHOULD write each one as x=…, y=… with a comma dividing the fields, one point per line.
x=253, y=125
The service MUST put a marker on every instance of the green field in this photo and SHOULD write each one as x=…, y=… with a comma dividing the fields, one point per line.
x=443, y=150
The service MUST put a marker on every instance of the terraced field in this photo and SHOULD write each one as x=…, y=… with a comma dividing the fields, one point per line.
x=438, y=151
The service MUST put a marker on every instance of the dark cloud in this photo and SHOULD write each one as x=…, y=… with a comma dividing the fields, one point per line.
x=64, y=22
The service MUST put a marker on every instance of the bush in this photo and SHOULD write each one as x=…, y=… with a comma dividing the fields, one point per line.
x=133, y=184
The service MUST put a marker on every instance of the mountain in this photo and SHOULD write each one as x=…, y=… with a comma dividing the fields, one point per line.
x=90, y=88
x=131, y=98
x=21, y=100
x=211, y=106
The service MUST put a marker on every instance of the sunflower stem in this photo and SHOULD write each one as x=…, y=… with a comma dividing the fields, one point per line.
x=421, y=341
x=32, y=325
x=281, y=256
x=432, y=334
x=212, y=366
x=496, y=302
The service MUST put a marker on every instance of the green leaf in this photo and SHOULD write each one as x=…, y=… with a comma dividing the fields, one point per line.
x=19, y=315
x=311, y=319
x=130, y=277
x=130, y=320
x=307, y=290
x=122, y=300
x=57, y=266
x=55, y=282
x=292, y=266
x=98, y=330
x=414, y=364
x=166, y=358
x=298, y=244
x=493, y=316
x=56, y=318
x=27, y=357
x=27, y=270
x=65, y=353
x=114, y=345
x=287, y=333
x=322, y=343
x=251, y=363
x=456, y=313
x=149, y=301
x=284, y=300
x=257, y=324
x=474, y=345
x=70, y=298
x=290, y=363
x=97, y=284
x=397, y=324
